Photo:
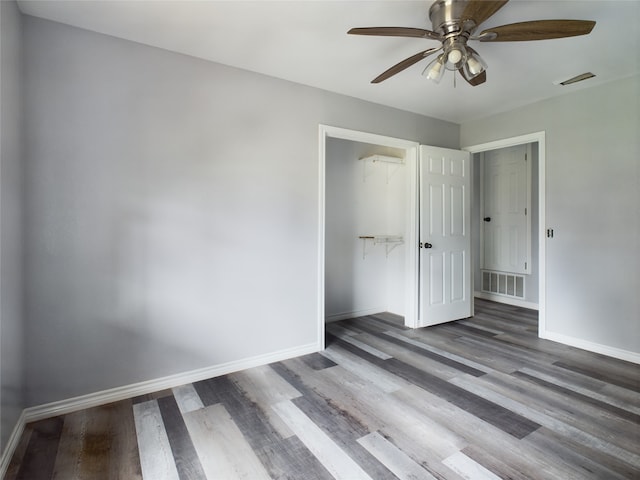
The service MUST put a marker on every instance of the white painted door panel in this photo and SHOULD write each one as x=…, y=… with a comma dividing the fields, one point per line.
x=445, y=267
x=506, y=195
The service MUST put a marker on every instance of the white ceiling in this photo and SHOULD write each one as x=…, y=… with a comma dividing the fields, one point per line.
x=306, y=42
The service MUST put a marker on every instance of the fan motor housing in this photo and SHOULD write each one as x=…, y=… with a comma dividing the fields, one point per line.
x=446, y=16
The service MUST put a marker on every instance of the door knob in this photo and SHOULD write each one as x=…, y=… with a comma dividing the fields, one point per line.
x=487, y=219
x=426, y=245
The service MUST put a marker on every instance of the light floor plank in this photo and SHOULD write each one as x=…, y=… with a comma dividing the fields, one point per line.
x=223, y=451
x=393, y=458
x=156, y=458
x=187, y=398
x=467, y=468
x=334, y=459
x=264, y=386
x=384, y=380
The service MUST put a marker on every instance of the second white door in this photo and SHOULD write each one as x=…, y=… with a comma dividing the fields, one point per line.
x=507, y=202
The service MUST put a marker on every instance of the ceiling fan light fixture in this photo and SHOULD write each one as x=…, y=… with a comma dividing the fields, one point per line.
x=474, y=65
x=435, y=70
x=454, y=56
x=454, y=23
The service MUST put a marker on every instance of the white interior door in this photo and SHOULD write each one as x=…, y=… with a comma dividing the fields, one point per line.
x=507, y=199
x=445, y=243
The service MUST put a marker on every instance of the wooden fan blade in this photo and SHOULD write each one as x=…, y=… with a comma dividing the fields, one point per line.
x=481, y=10
x=539, y=30
x=475, y=81
x=396, y=32
x=406, y=63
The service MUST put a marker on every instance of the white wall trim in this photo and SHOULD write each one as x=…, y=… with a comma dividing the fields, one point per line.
x=63, y=407
x=12, y=444
x=506, y=300
x=358, y=313
x=411, y=274
x=618, y=353
x=540, y=139
x=323, y=133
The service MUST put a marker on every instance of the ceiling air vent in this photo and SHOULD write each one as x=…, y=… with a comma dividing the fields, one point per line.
x=578, y=78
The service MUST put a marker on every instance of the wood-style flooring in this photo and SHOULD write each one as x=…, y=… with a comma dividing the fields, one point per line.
x=481, y=398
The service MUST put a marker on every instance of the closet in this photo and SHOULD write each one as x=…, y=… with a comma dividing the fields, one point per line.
x=366, y=215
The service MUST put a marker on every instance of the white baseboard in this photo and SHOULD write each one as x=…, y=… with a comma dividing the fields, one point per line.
x=12, y=444
x=122, y=393
x=618, y=353
x=357, y=313
x=507, y=300
x=63, y=407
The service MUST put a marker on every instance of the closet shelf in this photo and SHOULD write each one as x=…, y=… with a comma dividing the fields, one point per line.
x=389, y=241
x=383, y=158
x=393, y=164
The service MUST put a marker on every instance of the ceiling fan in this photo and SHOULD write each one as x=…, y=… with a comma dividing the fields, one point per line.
x=454, y=23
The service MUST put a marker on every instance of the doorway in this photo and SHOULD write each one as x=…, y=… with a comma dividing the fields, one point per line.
x=383, y=241
x=535, y=275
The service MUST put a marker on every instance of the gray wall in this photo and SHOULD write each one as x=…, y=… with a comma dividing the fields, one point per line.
x=172, y=209
x=11, y=296
x=593, y=205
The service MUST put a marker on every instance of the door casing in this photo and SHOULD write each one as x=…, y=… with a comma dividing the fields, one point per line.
x=411, y=230
x=539, y=138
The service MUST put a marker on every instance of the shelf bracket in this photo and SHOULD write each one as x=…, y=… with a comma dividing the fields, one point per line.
x=389, y=241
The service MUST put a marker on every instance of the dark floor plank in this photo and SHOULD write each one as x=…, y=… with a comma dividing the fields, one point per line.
x=575, y=396
x=70, y=448
x=208, y=395
x=317, y=361
x=579, y=461
x=392, y=320
x=344, y=430
x=151, y=396
x=18, y=454
x=433, y=356
x=604, y=374
x=96, y=445
x=185, y=455
x=124, y=457
x=40, y=457
x=469, y=330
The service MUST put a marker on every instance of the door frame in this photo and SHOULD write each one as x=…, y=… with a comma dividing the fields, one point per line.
x=539, y=138
x=411, y=233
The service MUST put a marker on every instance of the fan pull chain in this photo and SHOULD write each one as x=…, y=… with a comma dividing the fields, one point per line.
x=454, y=79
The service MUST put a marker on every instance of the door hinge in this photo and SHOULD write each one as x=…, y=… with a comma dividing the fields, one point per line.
x=525, y=265
x=525, y=157
x=525, y=211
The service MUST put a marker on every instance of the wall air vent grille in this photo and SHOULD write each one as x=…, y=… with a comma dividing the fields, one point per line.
x=507, y=284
